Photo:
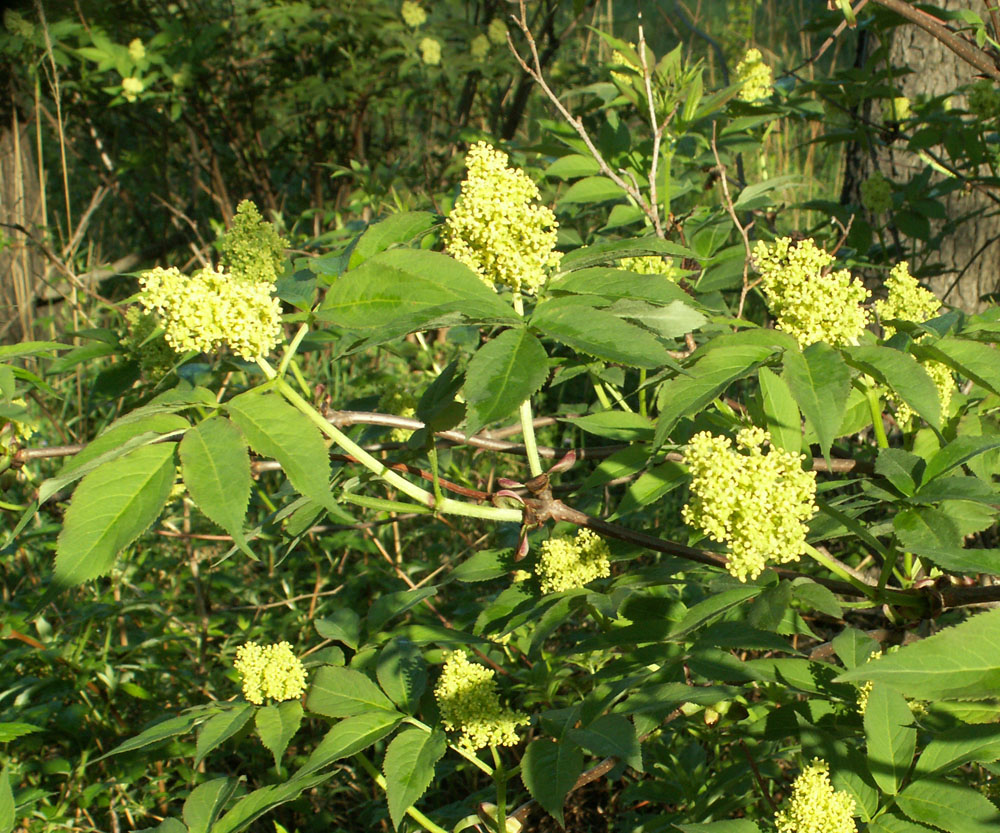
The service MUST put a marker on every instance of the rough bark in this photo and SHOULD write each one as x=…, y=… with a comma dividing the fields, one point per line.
x=969, y=254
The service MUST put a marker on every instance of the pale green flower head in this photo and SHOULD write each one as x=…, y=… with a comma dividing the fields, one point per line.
x=755, y=77
x=497, y=32
x=430, y=51
x=136, y=51
x=566, y=563
x=496, y=229
x=907, y=300
x=876, y=193
x=479, y=47
x=815, y=806
x=211, y=310
x=756, y=503
x=252, y=249
x=131, y=87
x=270, y=672
x=413, y=14
x=808, y=300
x=467, y=696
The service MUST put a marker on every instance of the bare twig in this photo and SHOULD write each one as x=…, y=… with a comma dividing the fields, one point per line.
x=744, y=230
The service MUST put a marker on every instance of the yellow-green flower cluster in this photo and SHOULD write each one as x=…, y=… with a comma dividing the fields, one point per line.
x=649, y=265
x=865, y=689
x=270, y=671
x=815, y=806
x=154, y=355
x=567, y=563
x=13, y=433
x=479, y=47
x=131, y=87
x=907, y=300
x=807, y=300
x=896, y=109
x=136, y=51
x=430, y=51
x=497, y=32
x=876, y=193
x=413, y=14
x=401, y=403
x=210, y=310
x=467, y=696
x=941, y=376
x=754, y=76
x=252, y=249
x=496, y=229
x=756, y=503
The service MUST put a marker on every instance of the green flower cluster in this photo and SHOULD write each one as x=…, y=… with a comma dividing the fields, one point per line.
x=815, y=806
x=649, y=265
x=270, y=671
x=941, y=376
x=211, y=309
x=907, y=300
x=136, y=51
x=496, y=229
x=754, y=76
x=984, y=100
x=757, y=503
x=430, y=51
x=13, y=433
x=479, y=47
x=497, y=32
x=876, y=193
x=807, y=300
x=413, y=14
x=154, y=355
x=567, y=563
x=467, y=696
x=252, y=250
x=401, y=403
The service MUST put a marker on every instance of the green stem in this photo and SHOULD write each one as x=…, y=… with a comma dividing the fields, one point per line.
x=293, y=346
x=500, y=779
x=412, y=812
x=889, y=596
x=527, y=420
x=385, y=505
x=471, y=757
x=642, y=393
x=887, y=567
x=876, y=410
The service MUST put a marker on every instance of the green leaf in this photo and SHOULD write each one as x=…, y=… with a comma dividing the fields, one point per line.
x=342, y=692
x=396, y=604
x=577, y=324
x=396, y=228
x=621, y=426
x=958, y=452
x=932, y=532
x=615, y=284
x=953, y=808
x=812, y=595
x=275, y=429
x=350, y=736
x=409, y=768
x=253, y=805
x=758, y=194
x=485, y=565
x=12, y=731
x=973, y=359
x=612, y=252
x=901, y=468
x=7, y=818
x=30, y=348
x=206, y=801
x=502, y=374
x=650, y=487
x=891, y=737
x=216, y=470
x=549, y=770
x=343, y=625
x=220, y=728
x=611, y=734
x=713, y=607
x=819, y=382
x=671, y=321
x=277, y=725
x=901, y=372
x=591, y=189
x=402, y=673
x=854, y=647
x=887, y=823
x=180, y=725
x=572, y=166
x=958, y=746
x=112, y=506
x=962, y=661
x=706, y=379
x=735, y=826
x=780, y=411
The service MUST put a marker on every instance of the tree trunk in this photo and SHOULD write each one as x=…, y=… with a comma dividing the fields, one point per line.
x=968, y=254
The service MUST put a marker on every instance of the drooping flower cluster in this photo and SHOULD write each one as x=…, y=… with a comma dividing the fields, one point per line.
x=479, y=47
x=876, y=193
x=497, y=32
x=467, y=696
x=808, y=301
x=413, y=14
x=566, y=563
x=815, y=806
x=755, y=76
x=756, y=503
x=252, y=249
x=430, y=51
x=496, y=229
x=907, y=300
x=211, y=309
x=270, y=671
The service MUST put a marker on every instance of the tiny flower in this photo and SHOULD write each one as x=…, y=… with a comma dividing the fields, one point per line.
x=430, y=51
x=413, y=14
x=479, y=47
x=907, y=300
x=467, y=696
x=270, y=671
x=136, y=51
x=566, y=563
x=755, y=77
x=756, y=503
x=808, y=301
x=496, y=229
x=252, y=249
x=401, y=403
x=131, y=87
x=815, y=806
x=865, y=689
x=876, y=193
x=497, y=32
x=650, y=265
